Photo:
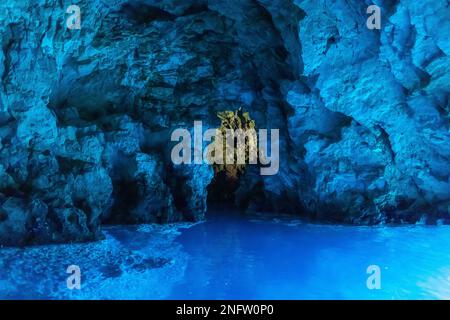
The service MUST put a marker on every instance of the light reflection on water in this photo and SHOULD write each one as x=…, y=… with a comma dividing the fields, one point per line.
x=235, y=257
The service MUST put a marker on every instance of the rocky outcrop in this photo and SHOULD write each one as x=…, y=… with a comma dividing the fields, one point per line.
x=391, y=159
x=86, y=115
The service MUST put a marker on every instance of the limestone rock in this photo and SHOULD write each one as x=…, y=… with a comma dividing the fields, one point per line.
x=86, y=115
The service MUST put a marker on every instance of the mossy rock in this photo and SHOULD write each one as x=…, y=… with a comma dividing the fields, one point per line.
x=235, y=120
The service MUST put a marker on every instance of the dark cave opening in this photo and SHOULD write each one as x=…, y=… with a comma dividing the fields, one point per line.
x=221, y=191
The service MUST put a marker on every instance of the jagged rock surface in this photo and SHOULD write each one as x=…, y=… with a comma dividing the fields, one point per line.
x=86, y=115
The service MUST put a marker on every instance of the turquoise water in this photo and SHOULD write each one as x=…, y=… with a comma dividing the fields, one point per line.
x=236, y=257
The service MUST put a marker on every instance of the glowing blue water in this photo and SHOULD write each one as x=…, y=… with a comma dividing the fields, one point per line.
x=232, y=257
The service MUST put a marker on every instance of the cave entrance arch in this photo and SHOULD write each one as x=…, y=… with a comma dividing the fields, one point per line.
x=184, y=63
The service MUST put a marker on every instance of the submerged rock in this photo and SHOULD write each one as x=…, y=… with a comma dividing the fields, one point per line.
x=86, y=115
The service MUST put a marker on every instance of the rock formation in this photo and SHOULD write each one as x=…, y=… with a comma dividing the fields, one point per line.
x=86, y=115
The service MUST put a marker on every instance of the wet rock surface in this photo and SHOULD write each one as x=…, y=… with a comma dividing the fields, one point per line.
x=138, y=257
x=86, y=115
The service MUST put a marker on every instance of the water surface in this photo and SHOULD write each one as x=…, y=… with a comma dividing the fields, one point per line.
x=237, y=257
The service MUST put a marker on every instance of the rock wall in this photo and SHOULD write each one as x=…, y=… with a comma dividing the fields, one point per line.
x=86, y=115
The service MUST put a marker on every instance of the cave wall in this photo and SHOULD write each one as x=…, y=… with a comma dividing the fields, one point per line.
x=86, y=115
